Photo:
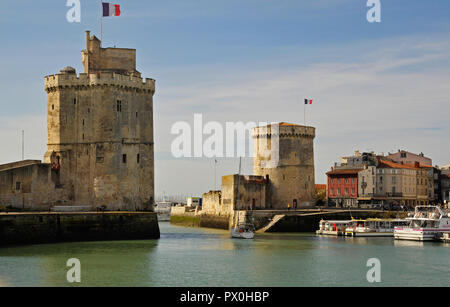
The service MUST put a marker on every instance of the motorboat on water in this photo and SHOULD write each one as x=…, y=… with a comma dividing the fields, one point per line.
x=429, y=223
x=243, y=231
x=333, y=228
x=374, y=227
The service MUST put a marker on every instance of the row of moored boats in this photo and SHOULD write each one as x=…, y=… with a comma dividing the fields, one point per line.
x=429, y=223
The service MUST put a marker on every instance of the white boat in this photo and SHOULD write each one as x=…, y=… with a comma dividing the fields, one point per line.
x=374, y=227
x=333, y=228
x=445, y=237
x=429, y=223
x=243, y=231
x=162, y=208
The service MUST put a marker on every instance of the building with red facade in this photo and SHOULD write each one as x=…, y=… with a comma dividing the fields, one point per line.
x=343, y=187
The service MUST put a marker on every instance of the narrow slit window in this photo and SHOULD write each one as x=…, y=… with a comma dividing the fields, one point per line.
x=124, y=158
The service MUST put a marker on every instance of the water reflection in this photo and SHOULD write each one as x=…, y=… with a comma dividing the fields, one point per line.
x=408, y=243
x=120, y=263
x=206, y=257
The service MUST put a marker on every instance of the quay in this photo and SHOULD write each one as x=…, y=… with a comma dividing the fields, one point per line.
x=299, y=220
x=54, y=227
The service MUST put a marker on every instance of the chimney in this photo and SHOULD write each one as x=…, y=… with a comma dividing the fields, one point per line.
x=88, y=38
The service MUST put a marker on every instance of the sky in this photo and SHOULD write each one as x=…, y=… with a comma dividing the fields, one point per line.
x=376, y=86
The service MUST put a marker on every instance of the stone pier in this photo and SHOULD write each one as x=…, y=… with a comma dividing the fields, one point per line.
x=53, y=227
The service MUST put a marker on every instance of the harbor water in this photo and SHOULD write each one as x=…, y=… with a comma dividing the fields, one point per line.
x=207, y=257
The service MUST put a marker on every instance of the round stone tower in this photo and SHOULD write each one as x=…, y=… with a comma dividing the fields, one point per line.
x=284, y=154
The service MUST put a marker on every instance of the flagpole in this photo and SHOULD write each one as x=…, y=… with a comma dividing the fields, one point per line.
x=304, y=113
x=101, y=23
x=215, y=176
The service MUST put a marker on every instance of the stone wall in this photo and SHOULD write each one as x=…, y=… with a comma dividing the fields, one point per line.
x=310, y=223
x=243, y=192
x=212, y=203
x=190, y=219
x=29, y=185
x=95, y=58
x=31, y=228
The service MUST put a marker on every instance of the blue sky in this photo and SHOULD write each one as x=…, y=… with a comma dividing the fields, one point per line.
x=377, y=86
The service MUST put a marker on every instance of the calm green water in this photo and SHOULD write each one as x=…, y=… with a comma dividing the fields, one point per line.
x=206, y=257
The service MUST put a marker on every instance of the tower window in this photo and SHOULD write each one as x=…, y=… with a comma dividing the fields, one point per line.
x=74, y=101
x=83, y=136
x=124, y=158
x=138, y=158
x=83, y=122
x=18, y=184
x=119, y=105
x=53, y=106
x=136, y=114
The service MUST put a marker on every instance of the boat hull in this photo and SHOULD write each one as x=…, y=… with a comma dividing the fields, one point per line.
x=416, y=235
x=370, y=234
x=329, y=233
x=242, y=235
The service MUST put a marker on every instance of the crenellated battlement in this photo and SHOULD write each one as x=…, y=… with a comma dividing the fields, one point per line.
x=83, y=80
x=284, y=130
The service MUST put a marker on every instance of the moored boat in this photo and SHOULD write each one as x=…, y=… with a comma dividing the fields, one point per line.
x=333, y=228
x=445, y=237
x=243, y=231
x=429, y=223
x=374, y=227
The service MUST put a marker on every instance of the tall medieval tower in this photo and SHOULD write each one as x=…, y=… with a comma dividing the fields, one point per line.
x=284, y=154
x=100, y=130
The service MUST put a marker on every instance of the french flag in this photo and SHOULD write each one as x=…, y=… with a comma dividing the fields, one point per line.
x=110, y=9
x=308, y=101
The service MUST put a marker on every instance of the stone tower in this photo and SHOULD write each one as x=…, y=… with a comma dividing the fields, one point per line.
x=284, y=154
x=100, y=130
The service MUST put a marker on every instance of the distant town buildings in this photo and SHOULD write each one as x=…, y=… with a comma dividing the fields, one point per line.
x=396, y=179
x=445, y=183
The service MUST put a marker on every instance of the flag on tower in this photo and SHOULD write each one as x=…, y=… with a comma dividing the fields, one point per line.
x=110, y=9
x=308, y=101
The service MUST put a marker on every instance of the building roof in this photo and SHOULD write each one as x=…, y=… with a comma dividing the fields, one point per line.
x=284, y=124
x=390, y=164
x=19, y=164
x=288, y=124
x=344, y=172
x=321, y=186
